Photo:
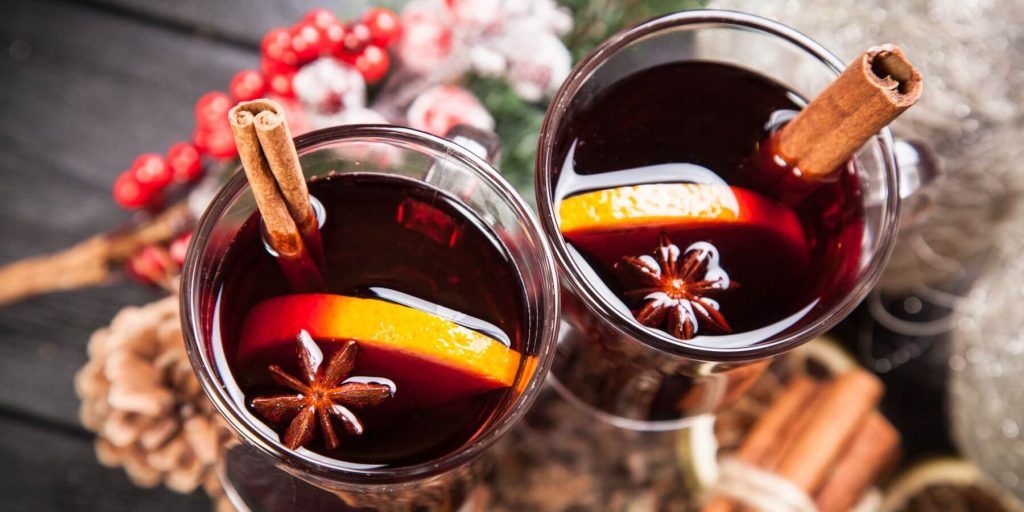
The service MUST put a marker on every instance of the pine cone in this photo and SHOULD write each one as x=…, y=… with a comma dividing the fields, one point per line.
x=140, y=397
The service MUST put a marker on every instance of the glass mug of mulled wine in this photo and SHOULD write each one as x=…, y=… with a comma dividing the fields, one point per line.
x=433, y=335
x=681, y=277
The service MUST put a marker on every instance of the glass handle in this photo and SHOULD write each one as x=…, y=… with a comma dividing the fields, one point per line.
x=918, y=167
x=917, y=164
x=482, y=143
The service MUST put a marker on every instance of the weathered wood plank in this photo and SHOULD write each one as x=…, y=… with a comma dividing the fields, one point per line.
x=242, y=21
x=82, y=91
x=48, y=469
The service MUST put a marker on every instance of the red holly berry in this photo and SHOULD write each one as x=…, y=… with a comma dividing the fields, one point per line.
x=212, y=108
x=179, y=248
x=270, y=67
x=305, y=41
x=332, y=38
x=356, y=38
x=152, y=265
x=129, y=193
x=247, y=85
x=319, y=17
x=220, y=143
x=372, y=63
x=277, y=46
x=151, y=171
x=384, y=25
x=217, y=142
x=331, y=30
x=281, y=83
x=183, y=159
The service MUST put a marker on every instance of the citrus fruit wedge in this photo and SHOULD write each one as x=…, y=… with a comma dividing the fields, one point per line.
x=686, y=212
x=431, y=359
x=663, y=206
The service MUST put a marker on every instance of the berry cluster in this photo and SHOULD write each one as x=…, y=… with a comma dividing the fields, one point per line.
x=156, y=265
x=319, y=34
x=151, y=173
x=284, y=51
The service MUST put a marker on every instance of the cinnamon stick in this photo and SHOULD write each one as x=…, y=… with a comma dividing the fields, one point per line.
x=875, y=89
x=873, y=447
x=281, y=228
x=768, y=429
x=276, y=140
x=793, y=431
x=845, y=403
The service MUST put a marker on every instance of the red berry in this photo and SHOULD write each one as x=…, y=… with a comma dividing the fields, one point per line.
x=305, y=42
x=277, y=46
x=152, y=265
x=332, y=37
x=179, y=248
x=319, y=17
x=356, y=38
x=212, y=108
x=373, y=63
x=200, y=140
x=269, y=67
x=247, y=85
x=129, y=193
x=183, y=159
x=281, y=84
x=220, y=143
x=217, y=142
x=331, y=30
x=151, y=171
x=385, y=26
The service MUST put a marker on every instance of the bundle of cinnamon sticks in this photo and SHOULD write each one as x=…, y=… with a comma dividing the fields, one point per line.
x=271, y=164
x=826, y=438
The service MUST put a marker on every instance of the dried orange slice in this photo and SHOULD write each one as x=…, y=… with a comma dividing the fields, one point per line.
x=427, y=355
x=685, y=211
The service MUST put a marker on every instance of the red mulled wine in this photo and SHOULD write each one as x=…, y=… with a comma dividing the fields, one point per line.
x=662, y=194
x=410, y=273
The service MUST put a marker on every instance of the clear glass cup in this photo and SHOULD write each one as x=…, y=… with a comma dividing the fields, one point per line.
x=643, y=378
x=260, y=473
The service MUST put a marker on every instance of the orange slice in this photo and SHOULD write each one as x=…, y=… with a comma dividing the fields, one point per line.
x=687, y=212
x=663, y=205
x=430, y=358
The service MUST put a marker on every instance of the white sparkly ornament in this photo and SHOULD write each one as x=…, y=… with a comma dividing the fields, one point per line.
x=538, y=62
x=479, y=14
x=426, y=36
x=328, y=86
x=439, y=109
x=553, y=17
x=488, y=61
x=513, y=39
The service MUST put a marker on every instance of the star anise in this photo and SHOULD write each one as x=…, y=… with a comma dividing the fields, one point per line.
x=675, y=291
x=321, y=396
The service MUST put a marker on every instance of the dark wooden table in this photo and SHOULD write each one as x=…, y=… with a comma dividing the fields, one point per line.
x=84, y=87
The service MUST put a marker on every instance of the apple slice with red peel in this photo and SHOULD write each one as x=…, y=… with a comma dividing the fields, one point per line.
x=431, y=359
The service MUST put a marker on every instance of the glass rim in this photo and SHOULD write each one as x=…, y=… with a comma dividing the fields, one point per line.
x=546, y=335
x=589, y=294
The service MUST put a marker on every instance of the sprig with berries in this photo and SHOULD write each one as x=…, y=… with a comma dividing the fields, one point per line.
x=153, y=178
x=284, y=52
x=435, y=64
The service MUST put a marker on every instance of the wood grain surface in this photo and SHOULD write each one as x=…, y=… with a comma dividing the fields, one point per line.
x=84, y=88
